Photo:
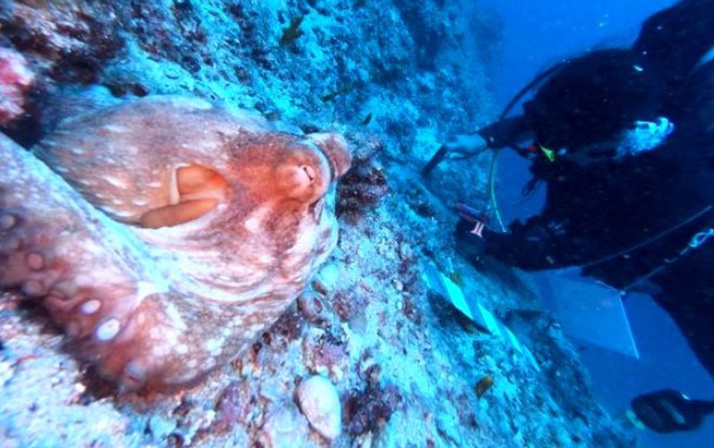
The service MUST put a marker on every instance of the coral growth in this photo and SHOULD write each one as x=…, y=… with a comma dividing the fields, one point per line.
x=234, y=407
x=372, y=408
x=15, y=79
x=365, y=184
x=71, y=42
x=326, y=354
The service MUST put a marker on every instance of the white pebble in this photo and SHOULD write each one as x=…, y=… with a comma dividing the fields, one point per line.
x=320, y=403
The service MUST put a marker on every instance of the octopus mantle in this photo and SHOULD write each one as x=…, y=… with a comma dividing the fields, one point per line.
x=165, y=233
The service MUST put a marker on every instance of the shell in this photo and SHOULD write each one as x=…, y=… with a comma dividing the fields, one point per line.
x=165, y=233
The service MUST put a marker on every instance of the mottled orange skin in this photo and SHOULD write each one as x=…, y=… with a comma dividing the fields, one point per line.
x=159, y=299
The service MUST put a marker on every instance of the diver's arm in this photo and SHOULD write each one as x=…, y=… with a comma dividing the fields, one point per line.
x=507, y=132
x=510, y=131
x=539, y=243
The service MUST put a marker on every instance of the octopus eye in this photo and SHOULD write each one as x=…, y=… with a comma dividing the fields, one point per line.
x=309, y=172
x=304, y=175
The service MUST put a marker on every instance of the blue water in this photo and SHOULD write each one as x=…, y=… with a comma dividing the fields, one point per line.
x=536, y=35
x=539, y=33
x=665, y=362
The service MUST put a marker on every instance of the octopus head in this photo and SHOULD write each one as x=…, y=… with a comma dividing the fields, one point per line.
x=170, y=234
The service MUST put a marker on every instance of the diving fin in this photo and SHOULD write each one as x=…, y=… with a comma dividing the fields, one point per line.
x=668, y=411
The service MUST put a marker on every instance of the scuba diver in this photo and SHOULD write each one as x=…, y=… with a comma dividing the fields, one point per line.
x=624, y=141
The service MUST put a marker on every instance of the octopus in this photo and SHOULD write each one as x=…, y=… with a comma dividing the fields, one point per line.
x=165, y=234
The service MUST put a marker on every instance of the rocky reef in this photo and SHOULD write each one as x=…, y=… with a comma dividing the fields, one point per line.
x=367, y=354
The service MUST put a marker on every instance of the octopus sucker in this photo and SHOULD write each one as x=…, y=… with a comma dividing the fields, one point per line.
x=7, y=222
x=91, y=306
x=152, y=231
x=108, y=329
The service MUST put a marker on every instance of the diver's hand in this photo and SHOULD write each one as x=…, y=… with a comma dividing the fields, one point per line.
x=478, y=219
x=461, y=146
x=469, y=238
x=469, y=232
x=465, y=145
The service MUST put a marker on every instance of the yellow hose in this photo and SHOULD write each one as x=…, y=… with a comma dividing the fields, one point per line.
x=492, y=188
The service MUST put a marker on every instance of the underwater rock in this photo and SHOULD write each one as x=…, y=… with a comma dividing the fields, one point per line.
x=320, y=403
x=284, y=425
x=171, y=232
x=67, y=40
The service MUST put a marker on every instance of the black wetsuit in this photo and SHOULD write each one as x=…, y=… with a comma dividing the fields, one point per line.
x=622, y=220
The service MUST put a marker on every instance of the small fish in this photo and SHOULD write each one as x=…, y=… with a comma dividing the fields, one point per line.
x=367, y=119
x=483, y=385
